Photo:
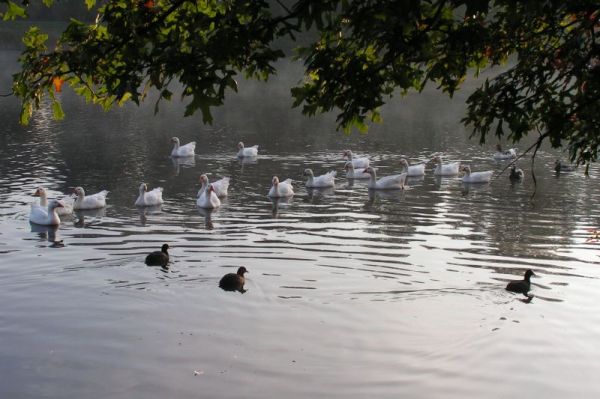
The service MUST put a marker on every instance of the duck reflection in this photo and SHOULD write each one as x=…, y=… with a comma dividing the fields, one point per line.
x=276, y=202
x=145, y=211
x=467, y=188
x=314, y=195
x=207, y=214
x=384, y=194
x=48, y=233
x=248, y=160
x=183, y=162
x=90, y=214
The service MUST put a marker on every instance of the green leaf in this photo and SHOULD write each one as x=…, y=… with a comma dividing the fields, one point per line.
x=13, y=11
x=57, y=111
x=26, y=111
x=90, y=4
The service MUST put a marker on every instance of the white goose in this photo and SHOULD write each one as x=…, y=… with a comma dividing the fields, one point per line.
x=476, y=177
x=46, y=217
x=281, y=189
x=352, y=173
x=247, y=151
x=93, y=201
x=504, y=154
x=151, y=198
x=362, y=162
x=413, y=170
x=445, y=169
x=182, y=150
x=65, y=209
x=220, y=186
x=326, y=180
x=208, y=199
x=392, y=182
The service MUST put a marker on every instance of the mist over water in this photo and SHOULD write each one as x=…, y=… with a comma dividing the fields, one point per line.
x=351, y=293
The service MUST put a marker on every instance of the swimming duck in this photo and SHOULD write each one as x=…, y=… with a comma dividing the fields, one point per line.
x=234, y=281
x=521, y=286
x=504, y=154
x=387, y=182
x=326, y=180
x=247, y=151
x=560, y=167
x=516, y=174
x=158, y=258
x=362, y=162
x=151, y=198
x=93, y=201
x=445, y=169
x=352, y=173
x=413, y=170
x=208, y=199
x=182, y=150
x=281, y=189
x=46, y=217
x=220, y=186
x=476, y=177
x=67, y=203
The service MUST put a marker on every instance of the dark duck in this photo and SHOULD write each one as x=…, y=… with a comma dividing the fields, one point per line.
x=234, y=281
x=521, y=286
x=158, y=258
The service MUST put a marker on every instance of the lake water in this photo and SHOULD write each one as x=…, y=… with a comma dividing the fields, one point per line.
x=350, y=294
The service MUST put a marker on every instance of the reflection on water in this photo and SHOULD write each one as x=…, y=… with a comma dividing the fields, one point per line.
x=182, y=162
x=359, y=293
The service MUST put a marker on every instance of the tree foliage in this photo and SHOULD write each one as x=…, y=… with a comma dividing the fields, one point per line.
x=362, y=53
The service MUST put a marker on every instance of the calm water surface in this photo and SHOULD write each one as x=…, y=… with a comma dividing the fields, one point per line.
x=350, y=294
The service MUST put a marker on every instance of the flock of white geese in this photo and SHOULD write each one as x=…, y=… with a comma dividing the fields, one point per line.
x=48, y=212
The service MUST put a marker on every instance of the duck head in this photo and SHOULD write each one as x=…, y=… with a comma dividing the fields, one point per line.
x=241, y=271
x=436, y=159
x=240, y=145
x=404, y=163
x=347, y=154
x=370, y=171
x=55, y=204
x=175, y=140
x=203, y=179
x=557, y=165
x=79, y=192
x=466, y=169
x=529, y=273
x=308, y=172
x=39, y=192
x=211, y=189
x=275, y=180
x=164, y=248
x=143, y=188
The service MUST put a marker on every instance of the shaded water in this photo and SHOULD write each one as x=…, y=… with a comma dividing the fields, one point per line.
x=351, y=294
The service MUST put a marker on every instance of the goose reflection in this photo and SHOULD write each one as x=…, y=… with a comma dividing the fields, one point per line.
x=467, y=188
x=413, y=180
x=185, y=162
x=248, y=160
x=317, y=193
x=90, y=214
x=207, y=214
x=276, y=202
x=145, y=211
x=383, y=194
x=48, y=233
